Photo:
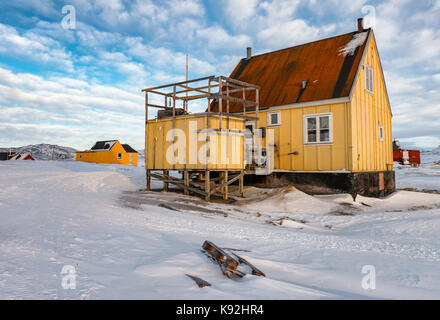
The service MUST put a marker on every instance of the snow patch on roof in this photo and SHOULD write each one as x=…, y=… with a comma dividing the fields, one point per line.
x=357, y=41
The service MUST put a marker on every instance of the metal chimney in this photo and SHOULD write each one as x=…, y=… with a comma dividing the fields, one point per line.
x=249, y=53
x=361, y=25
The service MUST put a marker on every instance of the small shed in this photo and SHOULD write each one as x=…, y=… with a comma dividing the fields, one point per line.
x=6, y=155
x=22, y=156
x=15, y=156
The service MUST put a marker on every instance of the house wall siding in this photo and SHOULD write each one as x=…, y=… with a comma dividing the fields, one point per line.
x=110, y=156
x=157, y=145
x=289, y=138
x=368, y=112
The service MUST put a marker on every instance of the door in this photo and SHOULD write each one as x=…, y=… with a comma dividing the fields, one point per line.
x=249, y=142
x=130, y=158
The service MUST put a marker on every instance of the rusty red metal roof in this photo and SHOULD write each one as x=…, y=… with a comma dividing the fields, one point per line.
x=328, y=71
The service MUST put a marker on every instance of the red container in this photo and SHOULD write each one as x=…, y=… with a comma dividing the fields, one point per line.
x=407, y=156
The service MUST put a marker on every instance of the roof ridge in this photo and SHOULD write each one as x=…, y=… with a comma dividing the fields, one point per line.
x=307, y=43
x=280, y=74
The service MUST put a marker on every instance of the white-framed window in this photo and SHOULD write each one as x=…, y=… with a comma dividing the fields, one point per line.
x=380, y=132
x=318, y=128
x=273, y=118
x=119, y=156
x=368, y=78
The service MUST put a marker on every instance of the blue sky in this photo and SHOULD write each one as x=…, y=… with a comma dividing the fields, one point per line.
x=73, y=87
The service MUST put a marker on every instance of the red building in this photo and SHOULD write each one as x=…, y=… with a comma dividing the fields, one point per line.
x=410, y=157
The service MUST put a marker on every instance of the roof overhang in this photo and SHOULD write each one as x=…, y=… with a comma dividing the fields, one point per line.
x=305, y=104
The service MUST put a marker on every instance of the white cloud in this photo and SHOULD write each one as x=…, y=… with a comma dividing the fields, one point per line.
x=34, y=107
x=288, y=34
x=240, y=12
x=161, y=57
x=34, y=48
x=254, y=15
x=216, y=37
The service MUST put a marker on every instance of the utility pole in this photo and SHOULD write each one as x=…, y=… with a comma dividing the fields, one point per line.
x=186, y=78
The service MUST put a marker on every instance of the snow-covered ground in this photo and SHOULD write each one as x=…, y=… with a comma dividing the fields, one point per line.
x=130, y=244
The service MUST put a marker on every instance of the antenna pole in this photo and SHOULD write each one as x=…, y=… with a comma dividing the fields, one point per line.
x=186, y=78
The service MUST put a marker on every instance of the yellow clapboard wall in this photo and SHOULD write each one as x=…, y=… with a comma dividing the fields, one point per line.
x=289, y=139
x=157, y=144
x=368, y=113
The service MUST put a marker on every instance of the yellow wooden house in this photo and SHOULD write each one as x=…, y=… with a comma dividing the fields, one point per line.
x=111, y=152
x=325, y=102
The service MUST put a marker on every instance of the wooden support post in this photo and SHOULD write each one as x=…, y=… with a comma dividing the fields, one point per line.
x=178, y=183
x=174, y=118
x=244, y=100
x=227, y=122
x=148, y=180
x=147, y=150
x=220, y=102
x=241, y=184
x=186, y=180
x=165, y=184
x=207, y=126
x=257, y=107
x=207, y=185
x=226, y=188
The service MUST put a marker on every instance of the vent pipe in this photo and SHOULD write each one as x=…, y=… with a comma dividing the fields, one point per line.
x=248, y=52
x=304, y=84
x=361, y=25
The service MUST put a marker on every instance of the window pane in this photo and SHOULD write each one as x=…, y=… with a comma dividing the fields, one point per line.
x=311, y=123
x=274, y=118
x=324, y=122
x=367, y=78
x=324, y=135
x=311, y=136
x=371, y=79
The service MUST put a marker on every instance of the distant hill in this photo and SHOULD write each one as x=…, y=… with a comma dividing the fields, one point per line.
x=45, y=151
x=430, y=155
x=436, y=150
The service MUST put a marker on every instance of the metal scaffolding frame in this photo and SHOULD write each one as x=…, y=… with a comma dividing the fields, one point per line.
x=220, y=93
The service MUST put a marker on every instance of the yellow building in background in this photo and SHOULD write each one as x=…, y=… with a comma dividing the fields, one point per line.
x=111, y=152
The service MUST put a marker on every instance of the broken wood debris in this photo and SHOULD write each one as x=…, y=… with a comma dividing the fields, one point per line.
x=365, y=204
x=233, y=249
x=200, y=282
x=255, y=270
x=227, y=263
x=167, y=206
